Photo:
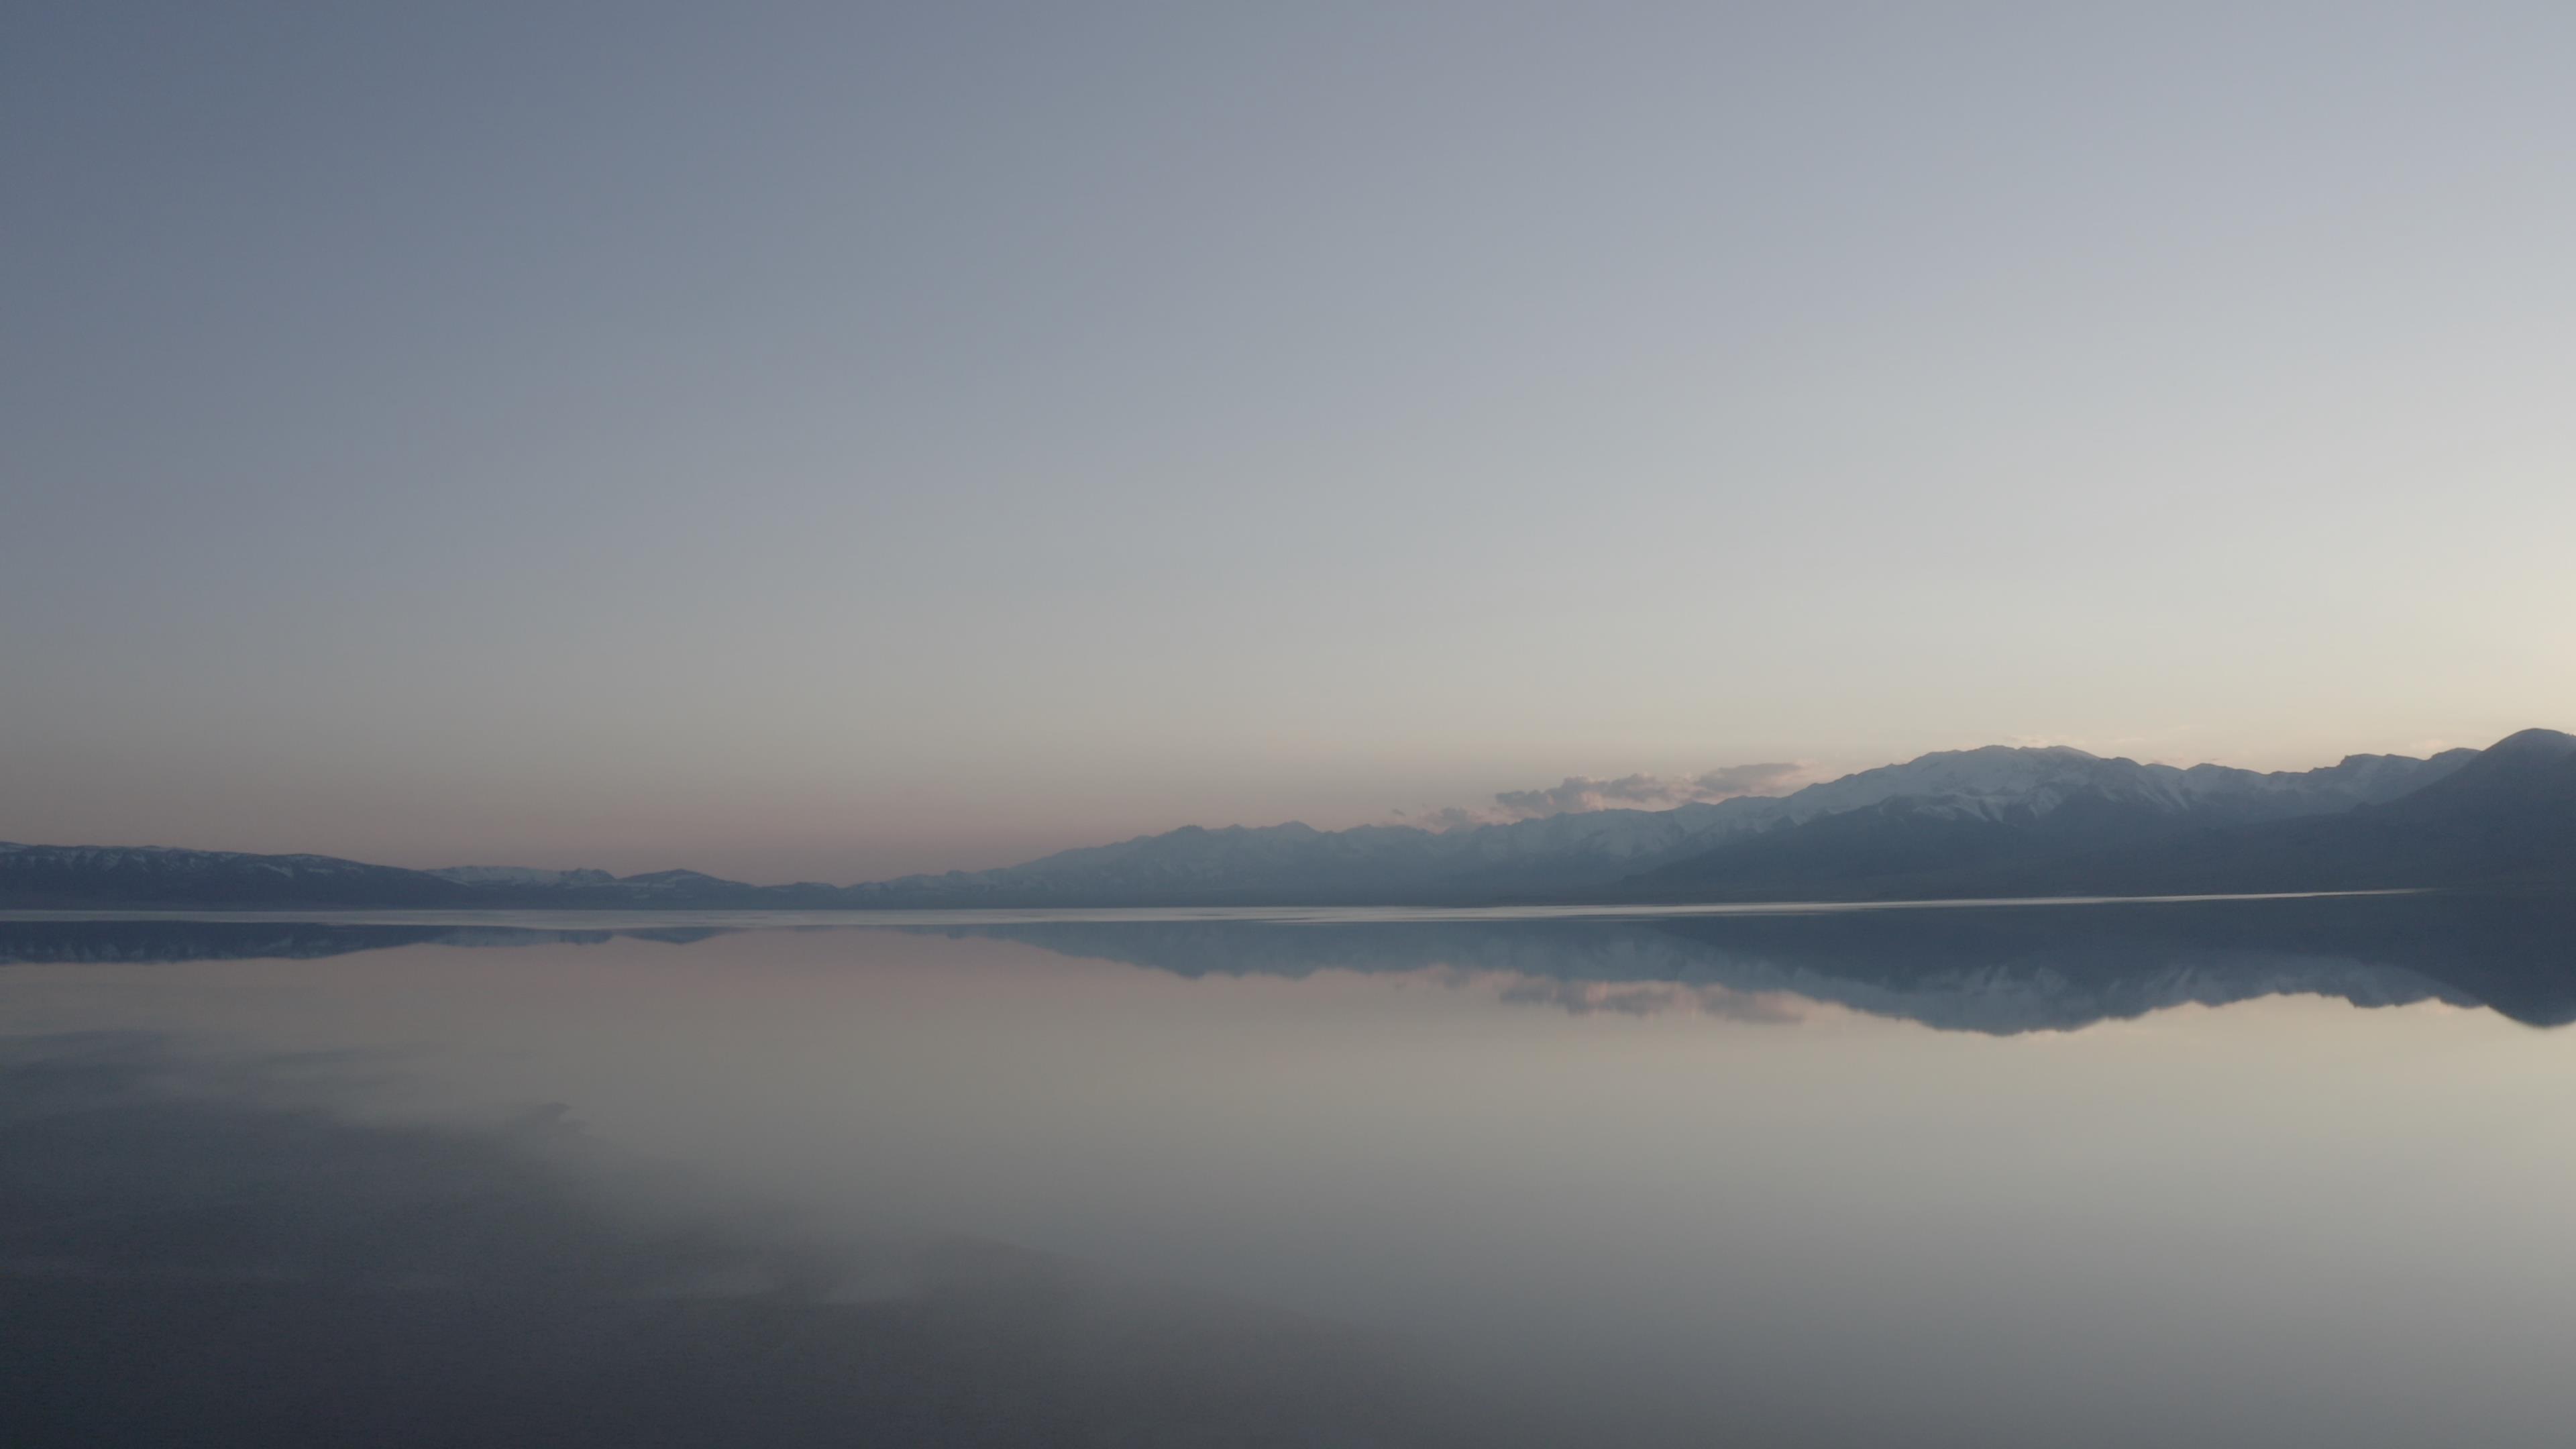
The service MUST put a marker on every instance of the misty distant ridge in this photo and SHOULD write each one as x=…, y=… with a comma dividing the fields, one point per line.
x=1994, y=821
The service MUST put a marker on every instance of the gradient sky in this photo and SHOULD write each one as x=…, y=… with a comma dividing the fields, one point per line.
x=826, y=441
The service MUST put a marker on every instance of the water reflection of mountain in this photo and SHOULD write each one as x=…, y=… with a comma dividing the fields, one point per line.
x=1998, y=969
x=2001, y=969
x=31, y=941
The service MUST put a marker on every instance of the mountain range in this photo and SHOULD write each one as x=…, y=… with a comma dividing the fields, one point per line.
x=1997, y=821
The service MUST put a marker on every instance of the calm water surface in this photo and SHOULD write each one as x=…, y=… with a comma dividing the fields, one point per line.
x=2231, y=1173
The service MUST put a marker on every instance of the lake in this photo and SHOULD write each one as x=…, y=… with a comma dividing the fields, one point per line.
x=2245, y=1172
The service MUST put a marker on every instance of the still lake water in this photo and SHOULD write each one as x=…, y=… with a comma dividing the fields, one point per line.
x=2218, y=1173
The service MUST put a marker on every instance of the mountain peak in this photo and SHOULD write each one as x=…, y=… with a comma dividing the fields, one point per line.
x=2527, y=779
x=2537, y=744
x=2007, y=752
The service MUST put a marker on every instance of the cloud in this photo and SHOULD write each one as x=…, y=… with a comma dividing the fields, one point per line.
x=1654, y=998
x=1448, y=817
x=1728, y=781
x=1580, y=793
x=1642, y=792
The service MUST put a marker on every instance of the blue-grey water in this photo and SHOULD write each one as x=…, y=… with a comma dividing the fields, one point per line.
x=2216, y=1173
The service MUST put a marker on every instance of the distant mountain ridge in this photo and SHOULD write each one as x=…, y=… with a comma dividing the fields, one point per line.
x=1994, y=821
x=1611, y=851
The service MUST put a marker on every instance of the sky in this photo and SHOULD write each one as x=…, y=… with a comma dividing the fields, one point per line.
x=828, y=441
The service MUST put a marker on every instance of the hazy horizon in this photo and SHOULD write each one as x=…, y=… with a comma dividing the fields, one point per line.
x=1572, y=795
x=832, y=444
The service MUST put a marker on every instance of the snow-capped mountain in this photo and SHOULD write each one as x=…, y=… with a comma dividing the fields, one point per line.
x=2502, y=816
x=1999, y=785
x=2002, y=783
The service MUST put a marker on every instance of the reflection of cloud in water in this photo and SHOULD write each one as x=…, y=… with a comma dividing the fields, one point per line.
x=1651, y=998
